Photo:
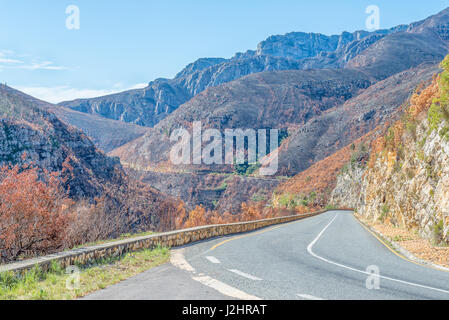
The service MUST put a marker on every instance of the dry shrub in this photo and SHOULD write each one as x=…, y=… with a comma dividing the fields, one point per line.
x=34, y=212
x=38, y=217
x=249, y=212
x=422, y=100
x=134, y=207
x=197, y=217
x=377, y=146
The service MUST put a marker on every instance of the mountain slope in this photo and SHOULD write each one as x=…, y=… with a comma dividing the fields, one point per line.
x=294, y=51
x=26, y=127
x=381, y=53
x=265, y=100
x=405, y=182
x=107, y=134
x=339, y=127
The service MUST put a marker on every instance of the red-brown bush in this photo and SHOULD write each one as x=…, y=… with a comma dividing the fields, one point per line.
x=34, y=212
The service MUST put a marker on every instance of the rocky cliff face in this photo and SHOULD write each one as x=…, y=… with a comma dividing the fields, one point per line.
x=406, y=181
x=293, y=51
x=27, y=128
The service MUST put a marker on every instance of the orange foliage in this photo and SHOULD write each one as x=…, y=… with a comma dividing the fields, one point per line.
x=377, y=146
x=197, y=217
x=34, y=212
x=249, y=212
x=321, y=177
x=421, y=100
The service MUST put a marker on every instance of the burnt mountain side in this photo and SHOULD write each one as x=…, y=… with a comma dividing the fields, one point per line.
x=265, y=100
x=339, y=127
x=107, y=134
x=221, y=192
x=26, y=127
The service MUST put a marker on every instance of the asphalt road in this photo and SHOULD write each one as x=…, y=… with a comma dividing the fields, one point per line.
x=330, y=256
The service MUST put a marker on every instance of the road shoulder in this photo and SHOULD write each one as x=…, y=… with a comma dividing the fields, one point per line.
x=408, y=245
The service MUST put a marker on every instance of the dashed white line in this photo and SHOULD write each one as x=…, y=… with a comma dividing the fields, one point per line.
x=213, y=259
x=178, y=260
x=310, y=246
x=246, y=275
x=308, y=297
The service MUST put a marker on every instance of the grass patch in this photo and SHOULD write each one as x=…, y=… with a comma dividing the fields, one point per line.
x=52, y=285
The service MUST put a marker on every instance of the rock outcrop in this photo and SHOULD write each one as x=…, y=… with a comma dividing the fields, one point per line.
x=31, y=133
x=293, y=51
x=406, y=181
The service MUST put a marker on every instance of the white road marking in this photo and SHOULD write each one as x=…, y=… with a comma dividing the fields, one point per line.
x=310, y=246
x=224, y=288
x=246, y=275
x=178, y=260
x=213, y=259
x=308, y=297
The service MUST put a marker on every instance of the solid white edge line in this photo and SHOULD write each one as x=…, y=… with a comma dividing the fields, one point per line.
x=310, y=246
x=246, y=275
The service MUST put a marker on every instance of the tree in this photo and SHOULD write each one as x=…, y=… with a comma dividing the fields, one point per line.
x=34, y=212
x=197, y=217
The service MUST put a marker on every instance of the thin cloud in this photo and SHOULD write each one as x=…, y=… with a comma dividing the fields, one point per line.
x=5, y=60
x=65, y=93
x=9, y=60
x=46, y=65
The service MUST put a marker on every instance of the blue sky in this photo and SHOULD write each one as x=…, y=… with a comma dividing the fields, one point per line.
x=126, y=44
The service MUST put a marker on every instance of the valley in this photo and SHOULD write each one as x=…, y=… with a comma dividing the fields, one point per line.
x=360, y=121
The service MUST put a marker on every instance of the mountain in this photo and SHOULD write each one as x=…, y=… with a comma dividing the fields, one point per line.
x=28, y=127
x=31, y=132
x=107, y=134
x=380, y=54
x=319, y=127
x=264, y=100
x=322, y=92
x=359, y=87
x=293, y=51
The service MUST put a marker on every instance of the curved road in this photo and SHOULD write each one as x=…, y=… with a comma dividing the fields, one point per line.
x=329, y=256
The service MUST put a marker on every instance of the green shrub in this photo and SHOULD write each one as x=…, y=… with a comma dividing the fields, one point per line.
x=384, y=212
x=411, y=128
x=444, y=133
x=246, y=169
x=434, y=117
x=438, y=231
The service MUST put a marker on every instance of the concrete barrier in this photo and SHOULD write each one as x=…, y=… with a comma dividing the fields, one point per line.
x=171, y=239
